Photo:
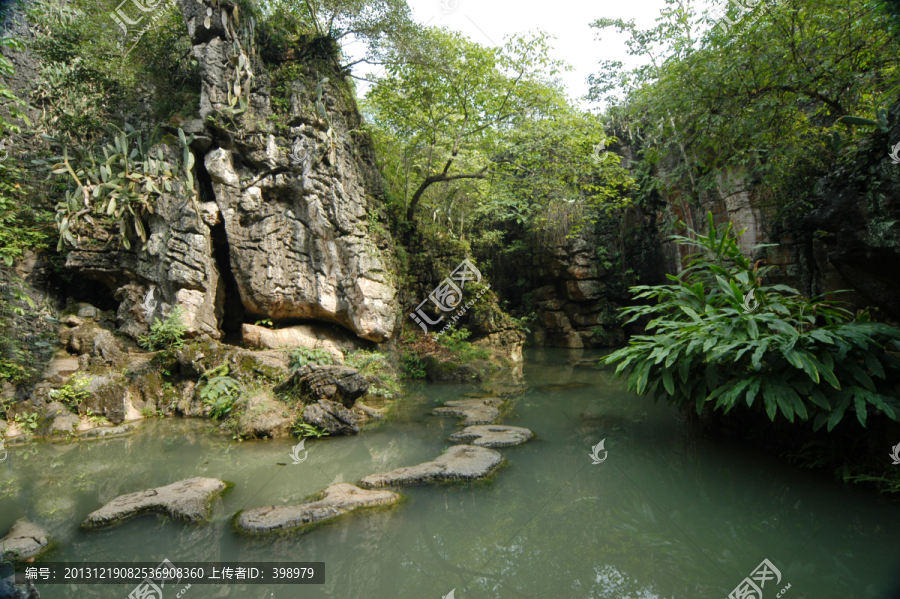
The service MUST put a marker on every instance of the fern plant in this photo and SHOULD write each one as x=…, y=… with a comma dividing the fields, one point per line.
x=166, y=334
x=220, y=393
x=302, y=429
x=305, y=355
x=803, y=358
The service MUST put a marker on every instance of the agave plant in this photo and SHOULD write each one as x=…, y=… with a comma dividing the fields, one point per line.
x=123, y=184
x=802, y=357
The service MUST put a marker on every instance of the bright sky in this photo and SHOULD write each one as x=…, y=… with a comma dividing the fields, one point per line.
x=490, y=21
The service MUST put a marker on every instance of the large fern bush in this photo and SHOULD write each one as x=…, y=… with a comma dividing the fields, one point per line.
x=716, y=335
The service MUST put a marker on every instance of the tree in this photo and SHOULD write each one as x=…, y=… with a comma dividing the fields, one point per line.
x=444, y=100
x=762, y=99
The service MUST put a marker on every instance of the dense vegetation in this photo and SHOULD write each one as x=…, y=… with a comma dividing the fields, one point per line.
x=483, y=154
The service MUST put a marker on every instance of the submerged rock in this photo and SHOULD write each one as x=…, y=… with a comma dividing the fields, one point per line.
x=493, y=435
x=24, y=541
x=16, y=586
x=475, y=411
x=333, y=383
x=185, y=500
x=461, y=462
x=331, y=416
x=337, y=500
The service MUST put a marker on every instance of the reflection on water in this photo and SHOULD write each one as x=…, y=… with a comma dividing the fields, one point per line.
x=666, y=515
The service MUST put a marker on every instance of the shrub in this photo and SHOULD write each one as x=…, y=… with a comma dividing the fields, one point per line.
x=166, y=334
x=302, y=429
x=801, y=357
x=72, y=393
x=464, y=351
x=305, y=355
x=375, y=367
x=411, y=366
x=220, y=392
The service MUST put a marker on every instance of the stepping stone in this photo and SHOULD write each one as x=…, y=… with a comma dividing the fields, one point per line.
x=337, y=500
x=474, y=411
x=188, y=500
x=24, y=541
x=460, y=463
x=493, y=435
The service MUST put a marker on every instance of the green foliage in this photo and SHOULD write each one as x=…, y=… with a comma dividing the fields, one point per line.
x=29, y=421
x=411, y=366
x=96, y=418
x=73, y=392
x=375, y=367
x=806, y=359
x=302, y=429
x=122, y=185
x=220, y=392
x=768, y=100
x=92, y=74
x=266, y=322
x=462, y=350
x=304, y=355
x=167, y=334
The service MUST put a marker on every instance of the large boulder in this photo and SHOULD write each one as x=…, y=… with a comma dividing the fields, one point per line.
x=332, y=339
x=260, y=415
x=333, y=383
x=188, y=500
x=335, y=501
x=460, y=463
x=26, y=540
x=332, y=417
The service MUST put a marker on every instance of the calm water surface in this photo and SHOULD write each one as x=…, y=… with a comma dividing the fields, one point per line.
x=666, y=515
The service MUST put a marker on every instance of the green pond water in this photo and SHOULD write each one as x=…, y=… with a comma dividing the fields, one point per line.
x=667, y=514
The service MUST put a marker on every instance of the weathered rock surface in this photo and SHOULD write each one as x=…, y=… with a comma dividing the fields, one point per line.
x=24, y=541
x=61, y=419
x=474, y=411
x=202, y=354
x=493, y=435
x=337, y=500
x=333, y=383
x=443, y=370
x=188, y=499
x=460, y=463
x=261, y=415
x=331, y=416
x=17, y=586
x=105, y=432
x=332, y=339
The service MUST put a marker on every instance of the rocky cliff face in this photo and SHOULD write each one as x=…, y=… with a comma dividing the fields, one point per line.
x=582, y=281
x=287, y=186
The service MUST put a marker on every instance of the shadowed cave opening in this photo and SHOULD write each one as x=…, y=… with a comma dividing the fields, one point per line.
x=228, y=295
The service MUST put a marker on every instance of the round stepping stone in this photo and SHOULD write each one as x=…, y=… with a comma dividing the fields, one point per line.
x=337, y=500
x=24, y=541
x=474, y=411
x=493, y=435
x=461, y=462
x=188, y=499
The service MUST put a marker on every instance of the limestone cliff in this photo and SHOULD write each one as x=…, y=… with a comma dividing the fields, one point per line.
x=286, y=188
